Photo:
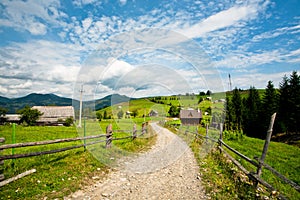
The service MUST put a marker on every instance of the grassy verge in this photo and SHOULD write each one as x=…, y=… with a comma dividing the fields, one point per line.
x=58, y=174
x=284, y=158
x=223, y=180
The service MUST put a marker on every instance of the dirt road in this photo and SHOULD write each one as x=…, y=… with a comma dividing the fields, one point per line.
x=167, y=171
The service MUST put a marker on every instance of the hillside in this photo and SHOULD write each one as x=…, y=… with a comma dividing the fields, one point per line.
x=34, y=99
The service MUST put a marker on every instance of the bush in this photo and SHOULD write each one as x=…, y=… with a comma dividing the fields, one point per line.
x=69, y=121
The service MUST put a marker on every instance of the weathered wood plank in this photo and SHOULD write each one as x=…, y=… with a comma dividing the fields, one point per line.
x=8, y=146
x=17, y=177
x=286, y=180
x=239, y=154
x=266, y=145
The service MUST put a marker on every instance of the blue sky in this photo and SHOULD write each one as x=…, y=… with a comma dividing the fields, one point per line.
x=144, y=48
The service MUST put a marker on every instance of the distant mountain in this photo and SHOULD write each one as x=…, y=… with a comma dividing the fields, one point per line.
x=15, y=104
x=110, y=100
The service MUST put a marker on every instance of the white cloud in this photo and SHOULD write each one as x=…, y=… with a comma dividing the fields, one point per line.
x=123, y=2
x=32, y=15
x=26, y=85
x=44, y=64
x=37, y=28
x=86, y=23
x=223, y=19
x=278, y=32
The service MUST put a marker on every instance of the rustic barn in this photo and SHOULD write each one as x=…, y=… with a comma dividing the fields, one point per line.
x=11, y=118
x=190, y=117
x=153, y=113
x=54, y=114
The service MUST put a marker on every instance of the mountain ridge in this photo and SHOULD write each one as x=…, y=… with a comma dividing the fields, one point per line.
x=36, y=99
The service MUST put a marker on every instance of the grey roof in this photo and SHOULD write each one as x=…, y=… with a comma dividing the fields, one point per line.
x=12, y=117
x=53, y=113
x=190, y=114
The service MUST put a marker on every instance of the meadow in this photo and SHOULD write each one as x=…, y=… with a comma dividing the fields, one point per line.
x=223, y=180
x=60, y=174
x=283, y=157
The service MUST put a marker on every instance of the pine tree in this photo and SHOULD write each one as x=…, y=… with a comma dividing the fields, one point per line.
x=289, y=104
x=251, y=114
x=228, y=117
x=269, y=105
x=237, y=109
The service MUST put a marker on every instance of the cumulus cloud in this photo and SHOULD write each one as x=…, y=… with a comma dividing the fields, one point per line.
x=25, y=85
x=226, y=18
x=221, y=29
x=28, y=15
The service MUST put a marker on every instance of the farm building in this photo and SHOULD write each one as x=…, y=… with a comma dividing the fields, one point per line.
x=153, y=113
x=54, y=114
x=11, y=118
x=190, y=117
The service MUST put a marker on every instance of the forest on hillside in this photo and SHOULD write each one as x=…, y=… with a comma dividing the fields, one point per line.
x=251, y=114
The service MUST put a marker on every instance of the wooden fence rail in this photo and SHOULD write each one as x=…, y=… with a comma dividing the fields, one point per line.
x=8, y=146
x=258, y=163
x=38, y=143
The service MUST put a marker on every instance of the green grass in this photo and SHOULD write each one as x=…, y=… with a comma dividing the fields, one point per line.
x=57, y=174
x=223, y=180
x=284, y=158
x=62, y=173
x=143, y=106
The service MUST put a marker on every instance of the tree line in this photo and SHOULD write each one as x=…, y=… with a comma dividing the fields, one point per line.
x=252, y=113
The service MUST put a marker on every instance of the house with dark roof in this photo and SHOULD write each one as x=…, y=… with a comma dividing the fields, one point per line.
x=54, y=115
x=153, y=113
x=190, y=117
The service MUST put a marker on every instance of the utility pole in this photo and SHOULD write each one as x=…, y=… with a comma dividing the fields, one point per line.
x=230, y=85
x=80, y=106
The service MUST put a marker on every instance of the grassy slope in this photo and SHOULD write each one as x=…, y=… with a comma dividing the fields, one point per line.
x=143, y=106
x=62, y=173
x=284, y=158
x=57, y=174
x=223, y=180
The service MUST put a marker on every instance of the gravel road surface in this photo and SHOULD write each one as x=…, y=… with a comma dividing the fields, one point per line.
x=167, y=171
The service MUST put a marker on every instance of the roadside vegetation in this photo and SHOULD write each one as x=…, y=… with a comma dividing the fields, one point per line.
x=60, y=174
x=223, y=180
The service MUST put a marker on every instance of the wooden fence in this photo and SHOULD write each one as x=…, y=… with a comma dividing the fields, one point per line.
x=257, y=162
x=106, y=138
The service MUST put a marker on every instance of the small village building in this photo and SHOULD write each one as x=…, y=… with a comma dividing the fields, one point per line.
x=208, y=98
x=127, y=114
x=190, y=117
x=11, y=118
x=153, y=113
x=54, y=115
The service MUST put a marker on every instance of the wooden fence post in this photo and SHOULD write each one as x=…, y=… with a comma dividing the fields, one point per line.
x=221, y=135
x=109, y=133
x=2, y=140
x=265, y=149
x=134, y=132
x=84, y=134
x=206, y=133
x=143, y=128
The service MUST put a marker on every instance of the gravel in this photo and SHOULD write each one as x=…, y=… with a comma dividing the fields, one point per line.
x=167, y=171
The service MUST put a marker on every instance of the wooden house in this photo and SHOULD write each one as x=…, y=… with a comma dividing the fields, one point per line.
x=54, y=115
x=153, y=113
x=190, y=117
x=11, y=118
